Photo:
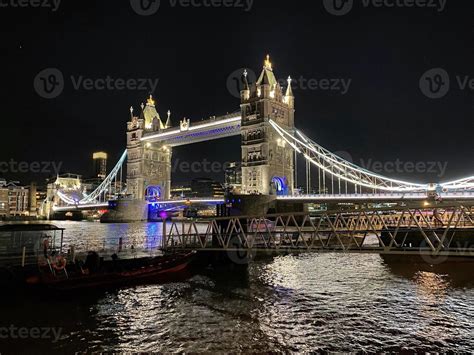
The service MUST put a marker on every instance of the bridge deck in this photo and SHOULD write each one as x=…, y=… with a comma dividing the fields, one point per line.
x=322, y=198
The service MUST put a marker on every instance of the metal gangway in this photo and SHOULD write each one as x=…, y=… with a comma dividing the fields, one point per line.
x=446, y=230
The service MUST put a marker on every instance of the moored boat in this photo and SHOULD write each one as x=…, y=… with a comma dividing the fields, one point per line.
x=97, y=273
x=32, y=255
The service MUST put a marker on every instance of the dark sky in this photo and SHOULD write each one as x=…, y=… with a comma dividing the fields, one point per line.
x=384, y=51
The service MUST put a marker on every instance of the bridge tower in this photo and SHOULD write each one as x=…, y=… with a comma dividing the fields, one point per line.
x=148, y=164
x=267, y=160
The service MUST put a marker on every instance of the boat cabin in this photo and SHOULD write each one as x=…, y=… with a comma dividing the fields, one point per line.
x=24, y=243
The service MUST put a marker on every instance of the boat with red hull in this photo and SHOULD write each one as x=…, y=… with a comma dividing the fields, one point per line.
x=114, y=273
x=32, y=255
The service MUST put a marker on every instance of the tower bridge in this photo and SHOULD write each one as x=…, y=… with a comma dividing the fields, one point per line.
x=271, y=146
x=267, y=161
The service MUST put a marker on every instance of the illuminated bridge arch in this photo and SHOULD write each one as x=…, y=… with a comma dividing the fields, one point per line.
x=153, y=193
x=281, y=185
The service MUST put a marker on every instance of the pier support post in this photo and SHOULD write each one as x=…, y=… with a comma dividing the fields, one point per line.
x=23, y=257
x=163, y=237
x=73, y=254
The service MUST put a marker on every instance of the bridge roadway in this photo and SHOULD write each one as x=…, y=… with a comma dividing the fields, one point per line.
x=380, y=198
x=105, y=205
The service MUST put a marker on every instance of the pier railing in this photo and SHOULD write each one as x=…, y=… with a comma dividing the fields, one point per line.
x=431, y=230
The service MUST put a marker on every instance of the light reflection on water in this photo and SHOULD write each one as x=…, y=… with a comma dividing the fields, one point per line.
x=337, y=302
x=342, y=301
x=86, y=236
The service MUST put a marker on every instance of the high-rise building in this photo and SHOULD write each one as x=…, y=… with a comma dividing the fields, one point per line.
x=41, y=195
x=32, y=199
x=205, y=187
x=233, y=177
x=14, y=200
x=18, y=200
x=100, y=165
x=181, y=191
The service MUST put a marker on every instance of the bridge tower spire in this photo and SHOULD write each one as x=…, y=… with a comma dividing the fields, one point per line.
x=168, y=120
x=289, y=97
x=245, y=93
x=267, y=160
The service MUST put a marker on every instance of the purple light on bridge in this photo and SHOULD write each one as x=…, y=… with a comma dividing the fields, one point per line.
x=163, y=215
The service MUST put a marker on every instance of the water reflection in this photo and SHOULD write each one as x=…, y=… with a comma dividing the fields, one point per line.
x=153, y=236
x=105, y=238
x=453, y=274
x=341, y=302
x=431, y=287
x=293, y=303
x=203, y=314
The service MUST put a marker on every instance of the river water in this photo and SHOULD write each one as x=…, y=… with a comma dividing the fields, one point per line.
x=291, y=303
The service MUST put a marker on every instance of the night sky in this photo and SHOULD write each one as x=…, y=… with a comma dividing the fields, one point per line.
x=384, y=51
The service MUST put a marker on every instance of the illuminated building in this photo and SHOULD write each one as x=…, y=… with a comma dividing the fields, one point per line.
x=148, y=164
x=41, y=195
x=32, y=202
x=206, y=188
x=181, y=191
x=69, y=184
x=14, y=200
x=267, y=161
x=18, y=200
x=4, y=209
x=100, y=165
x=233, y=177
